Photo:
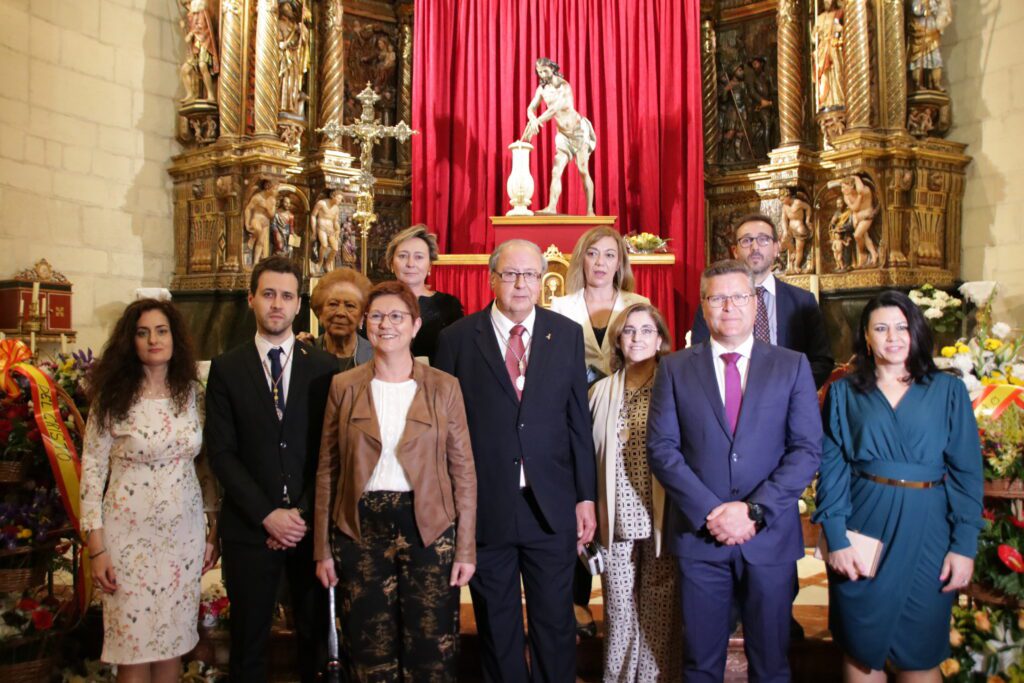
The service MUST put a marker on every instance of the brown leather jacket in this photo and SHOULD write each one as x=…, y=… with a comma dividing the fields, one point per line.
x=434, y=451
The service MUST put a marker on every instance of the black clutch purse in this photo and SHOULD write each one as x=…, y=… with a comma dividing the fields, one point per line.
x=592, y=558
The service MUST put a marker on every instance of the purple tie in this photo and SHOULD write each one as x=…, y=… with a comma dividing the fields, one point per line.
x=733, y=389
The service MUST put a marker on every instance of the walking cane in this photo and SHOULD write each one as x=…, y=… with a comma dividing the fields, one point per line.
x=333, y=662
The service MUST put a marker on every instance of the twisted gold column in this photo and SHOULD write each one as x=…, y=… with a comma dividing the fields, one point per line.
x=405, y=98
x=858, y=65
x=268, y=80
x=892, y=62
x=229, y=83
x=332, y=68
x=709, y=90
x=791, y=72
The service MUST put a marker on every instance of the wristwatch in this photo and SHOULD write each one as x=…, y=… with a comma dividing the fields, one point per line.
x=756, y=514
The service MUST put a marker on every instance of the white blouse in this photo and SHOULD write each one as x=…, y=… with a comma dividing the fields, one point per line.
x=391, y=401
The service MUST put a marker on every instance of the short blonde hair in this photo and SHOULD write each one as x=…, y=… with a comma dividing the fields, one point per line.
x=618, y=359
x=575, y=280
x=318, y=297
x=419, y=230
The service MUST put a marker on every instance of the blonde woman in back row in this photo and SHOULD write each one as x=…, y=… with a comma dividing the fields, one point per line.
x=599, y=287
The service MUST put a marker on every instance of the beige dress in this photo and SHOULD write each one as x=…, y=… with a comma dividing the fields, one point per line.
x=154, y=528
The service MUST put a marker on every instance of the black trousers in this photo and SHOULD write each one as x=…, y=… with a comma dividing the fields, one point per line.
x=252, y=574
x=399, y=615
x=544, y=559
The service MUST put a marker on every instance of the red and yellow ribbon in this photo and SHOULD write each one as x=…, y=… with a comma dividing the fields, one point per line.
x=60, y=449
x=994, y=399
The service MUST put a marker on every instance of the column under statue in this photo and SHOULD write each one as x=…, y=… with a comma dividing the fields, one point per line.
x=575, y=138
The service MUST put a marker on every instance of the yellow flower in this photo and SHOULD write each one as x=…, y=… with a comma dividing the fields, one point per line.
x=995, y=678
x=25, y=533
x=956, y=639
x=981, y=622
x=950, y=667
x=948, y=351
x=962, y=348
x=992, y=344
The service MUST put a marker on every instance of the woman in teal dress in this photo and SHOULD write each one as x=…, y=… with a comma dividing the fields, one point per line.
x=901, y=463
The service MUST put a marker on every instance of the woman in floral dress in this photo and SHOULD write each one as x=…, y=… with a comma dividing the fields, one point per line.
x=142, y=503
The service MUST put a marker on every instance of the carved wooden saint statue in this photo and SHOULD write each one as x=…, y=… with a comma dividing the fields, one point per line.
x=258, y=214
x=293, y=40
x=860, y=200
x=575, y=138
x=201, y=60
x=829, y=63
x=326, y=229
x=796, y=233
x=927, y=20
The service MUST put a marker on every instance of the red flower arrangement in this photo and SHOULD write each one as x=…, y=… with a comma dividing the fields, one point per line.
x=1012, y=558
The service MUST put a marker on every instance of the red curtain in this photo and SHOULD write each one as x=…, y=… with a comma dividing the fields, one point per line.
x=635, y=71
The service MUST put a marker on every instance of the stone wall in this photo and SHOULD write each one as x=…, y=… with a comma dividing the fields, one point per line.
x=86, y=132
x=985, y=68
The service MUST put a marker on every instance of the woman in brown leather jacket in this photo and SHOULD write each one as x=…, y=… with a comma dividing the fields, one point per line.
x=396, y=503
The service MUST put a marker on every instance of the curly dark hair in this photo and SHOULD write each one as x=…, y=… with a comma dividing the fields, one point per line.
x=116, y=379
x=920, y=365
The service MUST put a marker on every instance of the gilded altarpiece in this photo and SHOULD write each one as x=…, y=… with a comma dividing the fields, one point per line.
x=259, y=78
x=865, y=191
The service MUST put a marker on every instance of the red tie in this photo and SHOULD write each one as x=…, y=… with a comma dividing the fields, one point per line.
x=515, y=357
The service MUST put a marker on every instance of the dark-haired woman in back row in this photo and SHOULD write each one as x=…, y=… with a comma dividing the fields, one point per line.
x=142, y=501
x=901, y=463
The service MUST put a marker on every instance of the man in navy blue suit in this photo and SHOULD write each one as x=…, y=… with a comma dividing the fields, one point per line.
x=734, y=436
x=524, y=381
x=785, y=315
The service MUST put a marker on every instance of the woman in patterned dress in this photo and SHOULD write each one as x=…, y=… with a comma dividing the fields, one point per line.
x=142, y=502
x=641, y=592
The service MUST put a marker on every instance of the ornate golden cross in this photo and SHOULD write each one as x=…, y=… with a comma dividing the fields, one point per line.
x=368, y=131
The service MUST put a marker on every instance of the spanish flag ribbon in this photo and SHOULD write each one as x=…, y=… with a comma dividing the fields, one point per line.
x=994, y=399
x=61, y=452
x=12, y=352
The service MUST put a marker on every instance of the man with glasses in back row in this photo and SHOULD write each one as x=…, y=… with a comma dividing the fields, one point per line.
x=524, y=382
x=785, y=315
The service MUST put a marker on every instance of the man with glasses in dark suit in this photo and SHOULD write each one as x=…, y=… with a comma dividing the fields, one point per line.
x=524, y=381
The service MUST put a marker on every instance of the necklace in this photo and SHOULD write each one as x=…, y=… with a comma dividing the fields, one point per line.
x=275, y=384
x=520, y=360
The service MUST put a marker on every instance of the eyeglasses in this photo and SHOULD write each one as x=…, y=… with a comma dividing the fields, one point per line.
x=395, y=317
x=762, y=240
x=645, y=332
x=718, y=300
x=529, y=277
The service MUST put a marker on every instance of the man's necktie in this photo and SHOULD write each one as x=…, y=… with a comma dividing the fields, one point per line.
x=733, y=389
x=762, y=331
x=515, y=359
x=276, y=385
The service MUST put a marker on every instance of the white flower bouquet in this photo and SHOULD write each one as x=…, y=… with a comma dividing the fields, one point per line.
x=943, y=312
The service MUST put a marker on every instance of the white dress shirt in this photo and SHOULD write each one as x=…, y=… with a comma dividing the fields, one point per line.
x=391, y=401
x=502, y=329
x=769, y=304
x=288, y=346
x=742, y=363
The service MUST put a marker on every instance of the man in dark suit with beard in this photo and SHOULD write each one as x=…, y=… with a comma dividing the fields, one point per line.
x=524, y=382
x=265, y=405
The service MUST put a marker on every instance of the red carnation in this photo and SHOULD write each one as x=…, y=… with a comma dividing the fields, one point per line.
x=33, y=435
x=27, y=604
x=18, y=411
x=42, y=619
x=1012, y=558
x=988, y=514
x=1016, y=521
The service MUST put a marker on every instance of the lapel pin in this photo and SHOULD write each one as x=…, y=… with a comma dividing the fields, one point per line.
x=548, y=336
x=302, y=350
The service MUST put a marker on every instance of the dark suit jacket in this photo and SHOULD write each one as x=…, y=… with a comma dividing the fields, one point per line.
x=253, y=454
x=549, y=431
x=773, y=457
x=800, y=327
